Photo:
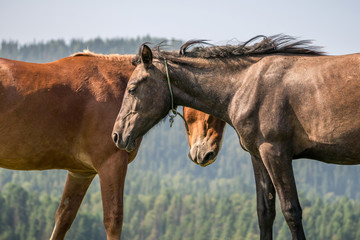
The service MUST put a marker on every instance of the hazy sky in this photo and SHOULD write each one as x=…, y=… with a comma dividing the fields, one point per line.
x=332, y=24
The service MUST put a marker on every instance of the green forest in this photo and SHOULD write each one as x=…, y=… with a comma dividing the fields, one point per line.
x=166, y=195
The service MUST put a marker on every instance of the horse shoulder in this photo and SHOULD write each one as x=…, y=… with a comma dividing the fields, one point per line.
x=262, y=103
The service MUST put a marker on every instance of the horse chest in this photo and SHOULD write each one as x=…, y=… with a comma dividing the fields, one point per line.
x=85, y=159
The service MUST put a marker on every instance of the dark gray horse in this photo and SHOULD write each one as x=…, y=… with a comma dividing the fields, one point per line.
x=285, y=100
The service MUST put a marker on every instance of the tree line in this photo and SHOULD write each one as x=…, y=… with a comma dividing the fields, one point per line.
x=174, y=216
x=55, y=49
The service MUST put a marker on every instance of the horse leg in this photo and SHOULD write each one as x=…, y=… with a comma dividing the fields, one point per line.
x=75, y=188
x=279, y=166
x=112, y=175
x=265, y=195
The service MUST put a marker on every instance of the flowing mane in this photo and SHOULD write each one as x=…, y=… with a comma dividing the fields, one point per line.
x=259, y=45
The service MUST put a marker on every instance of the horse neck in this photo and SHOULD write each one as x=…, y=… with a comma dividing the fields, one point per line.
x=207, y=85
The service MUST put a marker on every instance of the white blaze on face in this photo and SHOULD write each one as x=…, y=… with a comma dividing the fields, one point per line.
x=193, y=154
x=199, y=149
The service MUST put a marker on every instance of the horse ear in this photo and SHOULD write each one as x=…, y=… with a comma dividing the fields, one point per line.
x=146, y=55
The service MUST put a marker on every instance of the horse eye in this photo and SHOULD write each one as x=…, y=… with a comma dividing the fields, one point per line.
x=132, y=90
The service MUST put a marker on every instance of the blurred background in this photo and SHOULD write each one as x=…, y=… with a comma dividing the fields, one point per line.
x=167, y=196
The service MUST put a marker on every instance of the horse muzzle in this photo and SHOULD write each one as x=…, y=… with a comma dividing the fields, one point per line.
x=202, y=155
x=127, y=144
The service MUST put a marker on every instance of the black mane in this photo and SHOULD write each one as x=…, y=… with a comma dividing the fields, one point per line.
x=267, y=45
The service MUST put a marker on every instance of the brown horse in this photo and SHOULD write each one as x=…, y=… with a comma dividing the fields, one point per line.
x=60, y=115
x=285, y=100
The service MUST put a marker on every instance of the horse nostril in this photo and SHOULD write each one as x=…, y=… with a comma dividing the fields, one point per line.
x=208, y=156
x=115, y=137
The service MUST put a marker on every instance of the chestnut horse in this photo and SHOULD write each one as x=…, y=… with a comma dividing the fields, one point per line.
x=285, y=100
x=60, y=115
x=205, y=136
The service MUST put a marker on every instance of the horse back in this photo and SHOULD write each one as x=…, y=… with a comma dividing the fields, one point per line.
x=324, y=93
